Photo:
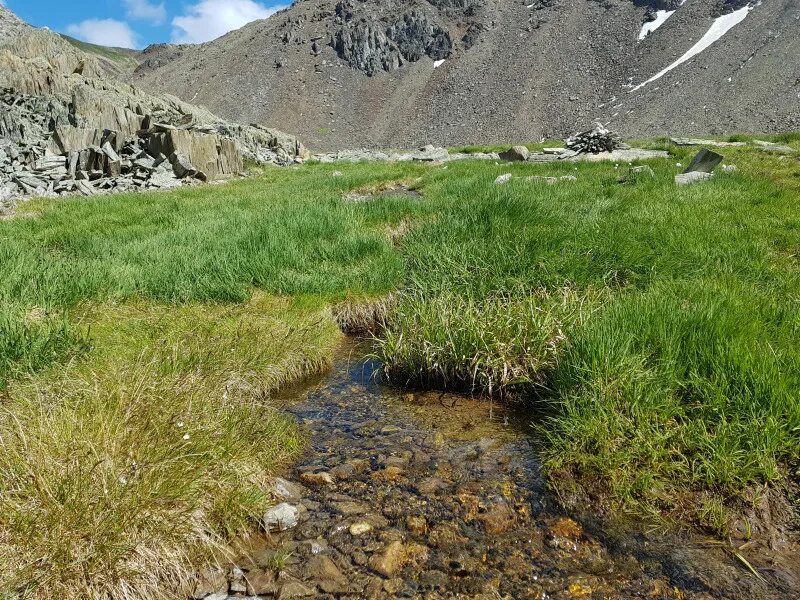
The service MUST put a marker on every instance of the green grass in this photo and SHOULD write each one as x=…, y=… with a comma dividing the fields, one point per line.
x=134, y=463
x=120, y=56
x=689, y=383
x=495, y=344
x=684, y=376
x=31, y=339
x=283, y=232
x=654, y=327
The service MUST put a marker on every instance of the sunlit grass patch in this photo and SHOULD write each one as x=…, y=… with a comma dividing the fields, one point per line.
x=685, y=386
x=128, y=467
x=486, y=346
x=31, y=339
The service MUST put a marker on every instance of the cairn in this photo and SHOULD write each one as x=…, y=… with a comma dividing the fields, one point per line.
x=595, y=141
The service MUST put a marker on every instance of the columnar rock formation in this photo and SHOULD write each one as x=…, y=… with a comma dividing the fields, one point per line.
x=66, y=127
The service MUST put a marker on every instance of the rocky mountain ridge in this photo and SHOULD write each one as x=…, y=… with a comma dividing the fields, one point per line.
x=403, y=73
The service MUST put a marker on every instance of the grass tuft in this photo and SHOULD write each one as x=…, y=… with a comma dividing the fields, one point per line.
x=488, y=346
x=32, y=339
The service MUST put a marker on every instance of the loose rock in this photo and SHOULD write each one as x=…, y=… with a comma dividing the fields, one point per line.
x=360, y=528
x=210, y=581
x=281, y=517
x=317, y=479
x=516, y=153
x=692, y=177
x=396, y=556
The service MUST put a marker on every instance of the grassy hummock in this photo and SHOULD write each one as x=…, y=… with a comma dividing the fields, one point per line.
x=141, y=338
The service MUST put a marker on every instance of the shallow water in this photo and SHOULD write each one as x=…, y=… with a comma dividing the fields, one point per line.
x=452, y=487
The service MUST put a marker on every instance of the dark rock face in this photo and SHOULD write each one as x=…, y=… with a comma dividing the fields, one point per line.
x=655, y=5
x=465, y=5
x=366, y=44
x=365, y=47
x=725, y=7
x=415, y=37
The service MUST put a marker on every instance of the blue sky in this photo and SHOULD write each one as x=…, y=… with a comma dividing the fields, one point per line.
x=138, y=23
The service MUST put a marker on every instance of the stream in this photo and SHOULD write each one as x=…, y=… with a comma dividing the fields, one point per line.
x=434, y=496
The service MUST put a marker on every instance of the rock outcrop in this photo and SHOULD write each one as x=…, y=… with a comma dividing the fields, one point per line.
x=65, y=127
x=371, y=46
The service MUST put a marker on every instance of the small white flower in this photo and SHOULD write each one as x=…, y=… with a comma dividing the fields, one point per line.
x=186, y=436
x=179, y=424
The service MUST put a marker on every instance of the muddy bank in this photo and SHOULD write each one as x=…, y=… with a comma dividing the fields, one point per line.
x=438, y=496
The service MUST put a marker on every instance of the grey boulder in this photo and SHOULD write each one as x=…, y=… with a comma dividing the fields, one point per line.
x=692, y=177
x=281, y=517
x=516, y=153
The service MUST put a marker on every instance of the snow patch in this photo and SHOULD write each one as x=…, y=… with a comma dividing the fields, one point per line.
x=651, y=26
x=438, y=63
x=720, y=27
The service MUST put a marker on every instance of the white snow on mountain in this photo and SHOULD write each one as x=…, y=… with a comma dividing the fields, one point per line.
x=651, y=26
x=719, y=28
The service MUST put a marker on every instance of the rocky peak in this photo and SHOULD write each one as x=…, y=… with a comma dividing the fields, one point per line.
x=157, y=55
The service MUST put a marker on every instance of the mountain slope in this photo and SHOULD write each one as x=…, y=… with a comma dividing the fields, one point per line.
x=116, y=61
x=406, y=72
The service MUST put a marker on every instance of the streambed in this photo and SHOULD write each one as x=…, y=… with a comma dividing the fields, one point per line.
x=440, y=496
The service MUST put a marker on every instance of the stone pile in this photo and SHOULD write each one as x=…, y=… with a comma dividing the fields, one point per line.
x=595, y=141
x=38, y=161
x=47, y=150
x=67, y=127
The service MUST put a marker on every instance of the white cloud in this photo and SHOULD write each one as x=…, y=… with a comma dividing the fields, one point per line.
x=142, y=10
x=104, y=32
x=209, y=19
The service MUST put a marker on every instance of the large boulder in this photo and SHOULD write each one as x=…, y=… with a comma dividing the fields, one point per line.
x=68, y=139
x=214, y=156
x=516, y=153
